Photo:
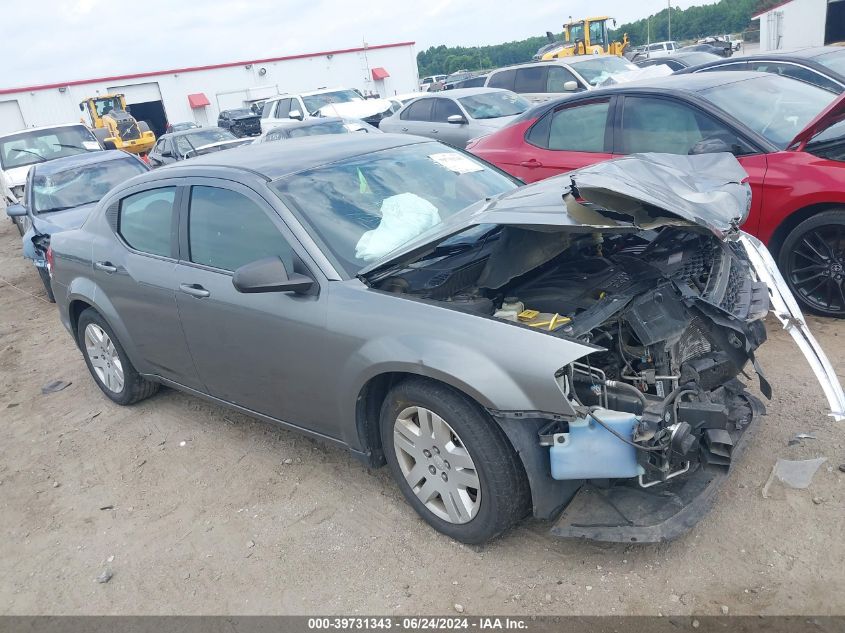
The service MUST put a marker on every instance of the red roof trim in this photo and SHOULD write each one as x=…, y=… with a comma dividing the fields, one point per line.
x=191, y=69
x=777, y=6
x=198, y=100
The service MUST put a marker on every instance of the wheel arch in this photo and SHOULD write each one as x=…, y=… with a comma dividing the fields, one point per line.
x=775, y=242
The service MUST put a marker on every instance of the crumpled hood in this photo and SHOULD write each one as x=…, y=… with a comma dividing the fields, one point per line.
x=246, y=117
x=51, y=223
x=831, y=115
x=356, y=109
x=629, y=194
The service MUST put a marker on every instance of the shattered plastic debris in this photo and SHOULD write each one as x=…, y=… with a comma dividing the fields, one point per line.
x=795, y=474
x=801, y=436
x=54, y=385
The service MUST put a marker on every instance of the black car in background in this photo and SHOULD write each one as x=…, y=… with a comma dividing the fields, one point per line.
x=822, y=66
x=240, y=122
x=680, y=60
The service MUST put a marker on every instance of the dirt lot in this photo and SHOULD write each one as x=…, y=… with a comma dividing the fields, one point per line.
x=196, y=509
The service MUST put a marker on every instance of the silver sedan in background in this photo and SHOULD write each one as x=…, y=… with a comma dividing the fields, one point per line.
x=458, y=116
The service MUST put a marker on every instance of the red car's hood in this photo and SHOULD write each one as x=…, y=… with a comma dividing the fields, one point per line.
x=831, y=115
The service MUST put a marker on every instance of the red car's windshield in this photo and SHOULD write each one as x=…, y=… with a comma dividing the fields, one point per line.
x=775, y=107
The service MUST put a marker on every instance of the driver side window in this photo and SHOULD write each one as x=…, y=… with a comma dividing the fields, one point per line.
x=283, y=108
x=667, y=126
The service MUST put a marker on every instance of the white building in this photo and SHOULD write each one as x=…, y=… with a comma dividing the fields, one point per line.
x=199, y=93
x=800, y=23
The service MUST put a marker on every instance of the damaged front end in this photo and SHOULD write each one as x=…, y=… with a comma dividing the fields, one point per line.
x=641, y=260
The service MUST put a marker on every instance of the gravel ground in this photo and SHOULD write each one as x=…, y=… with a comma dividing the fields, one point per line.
x=195, y=509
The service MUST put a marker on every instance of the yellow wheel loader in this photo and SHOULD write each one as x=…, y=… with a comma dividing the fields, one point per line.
x=114, y=127
x=589, y=36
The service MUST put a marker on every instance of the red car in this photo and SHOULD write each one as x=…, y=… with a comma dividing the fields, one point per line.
x=788, y=135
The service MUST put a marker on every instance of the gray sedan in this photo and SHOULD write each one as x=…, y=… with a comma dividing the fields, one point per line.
x=498, y=347
x=457, y=116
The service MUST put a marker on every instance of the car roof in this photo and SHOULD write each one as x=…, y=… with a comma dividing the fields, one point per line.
x=798, y=53
x=42, y=127
x=457, y=93
x=189, y=131
x=58, y=165
x=275, y=160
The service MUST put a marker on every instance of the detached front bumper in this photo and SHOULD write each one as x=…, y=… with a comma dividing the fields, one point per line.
x=627, y=513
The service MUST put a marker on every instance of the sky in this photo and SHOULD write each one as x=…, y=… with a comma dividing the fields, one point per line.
x=47, y=41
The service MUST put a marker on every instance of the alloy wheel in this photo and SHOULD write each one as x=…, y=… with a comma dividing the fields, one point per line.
x=816, y=268
x=104, y=358
x=436, y=465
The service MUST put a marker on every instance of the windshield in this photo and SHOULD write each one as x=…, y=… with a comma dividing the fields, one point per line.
x=835, y=61
x=331, y=127
x=80, y=185
x=492, y=105
x=596, y=69
x=39, y=146
x=576, y=32
x=315, y=102
x=204, y=136
x=107, y=104
x=694, y=59
x=240, y=112
x=362, y=208
x=775, y=107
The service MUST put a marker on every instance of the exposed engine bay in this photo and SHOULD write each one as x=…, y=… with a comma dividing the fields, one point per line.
x=674, y=315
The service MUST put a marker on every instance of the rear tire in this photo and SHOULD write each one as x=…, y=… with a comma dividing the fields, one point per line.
x=489, y=490
x=108, y=363
x=48, y=286
x=812, y=259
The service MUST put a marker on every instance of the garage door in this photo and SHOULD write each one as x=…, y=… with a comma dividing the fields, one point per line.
x=139, y=93
x=11, y=119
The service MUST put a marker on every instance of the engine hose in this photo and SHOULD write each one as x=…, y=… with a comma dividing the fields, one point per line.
x=629, y=388
x=647, y=449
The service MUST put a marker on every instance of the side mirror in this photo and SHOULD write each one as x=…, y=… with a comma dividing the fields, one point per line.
x=570, y=86
x=714, y=145
x=269, y=275
x=82, y=107
x=295, y=114
x=16, y=211
x=457, y=119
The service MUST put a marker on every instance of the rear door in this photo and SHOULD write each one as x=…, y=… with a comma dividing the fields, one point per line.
x=136, y=273
x=566, y=138
x=416, y=118
x=650, y=123
x=259, y=351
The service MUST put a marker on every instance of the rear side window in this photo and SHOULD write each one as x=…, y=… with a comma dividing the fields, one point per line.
x=419, y=110
x=504, y=79
x=721, y=67
x=145, y=220
x=227, y=230
x=793, y=71
x=579, y=128
x=530, y=79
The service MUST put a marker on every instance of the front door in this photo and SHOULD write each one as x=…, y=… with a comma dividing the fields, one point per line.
x=259, y=351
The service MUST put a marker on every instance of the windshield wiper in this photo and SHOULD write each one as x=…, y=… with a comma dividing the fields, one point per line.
x=29, y=151
x=70, y=146
x=70, y=206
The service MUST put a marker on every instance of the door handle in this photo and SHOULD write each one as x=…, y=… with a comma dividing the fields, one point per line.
x=195, y=290
x=106, y=267
x=435, y=131
x=532, y=163
x=404, y=129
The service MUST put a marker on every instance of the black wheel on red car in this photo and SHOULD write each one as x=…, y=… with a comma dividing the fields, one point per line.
x=813, y=262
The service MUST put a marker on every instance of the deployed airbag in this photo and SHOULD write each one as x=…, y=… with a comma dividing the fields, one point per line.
x=403, y=217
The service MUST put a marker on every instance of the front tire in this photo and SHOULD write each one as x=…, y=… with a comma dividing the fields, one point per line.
x=108, y=363
x=812, y=259
x=453, y=464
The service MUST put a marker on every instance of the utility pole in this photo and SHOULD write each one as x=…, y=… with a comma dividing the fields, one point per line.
x=669, y=3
